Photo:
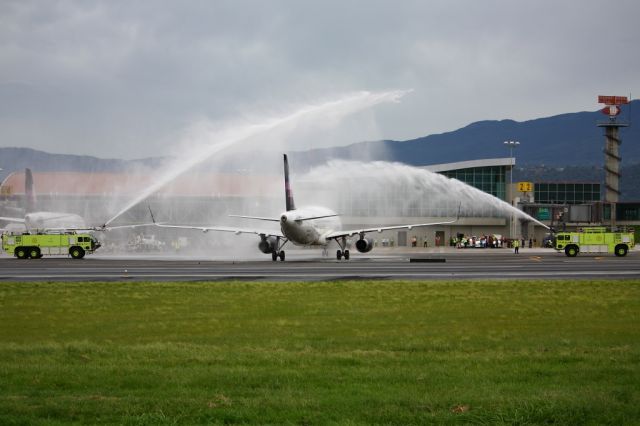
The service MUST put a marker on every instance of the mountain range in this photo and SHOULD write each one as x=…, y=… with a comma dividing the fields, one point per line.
x=16, y=159
x=561, y=140
x=561, y=147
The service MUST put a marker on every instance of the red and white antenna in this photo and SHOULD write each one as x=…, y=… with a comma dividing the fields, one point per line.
x=612, y=108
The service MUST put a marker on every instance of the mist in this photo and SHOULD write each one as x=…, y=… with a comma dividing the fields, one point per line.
x=205, y=140
x=393, y=190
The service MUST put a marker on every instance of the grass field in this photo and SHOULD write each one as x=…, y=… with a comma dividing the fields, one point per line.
x=363, y=352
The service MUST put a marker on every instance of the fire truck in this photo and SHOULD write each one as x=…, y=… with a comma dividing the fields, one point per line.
x=595, y=240
x=34, y=246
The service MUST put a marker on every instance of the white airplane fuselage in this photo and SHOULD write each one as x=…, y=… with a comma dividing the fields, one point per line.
x=309, y=232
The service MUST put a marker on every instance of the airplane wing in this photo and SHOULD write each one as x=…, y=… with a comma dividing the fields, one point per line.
x=361, y=232
x=352, y=232
x=236, y=231
x=267, y=219
x=270, y=219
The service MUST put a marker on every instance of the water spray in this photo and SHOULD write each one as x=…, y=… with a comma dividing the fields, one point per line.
x=397, y=190
x=215, y=142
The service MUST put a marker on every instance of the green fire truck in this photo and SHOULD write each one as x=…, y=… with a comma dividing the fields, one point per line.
x=34, y=246
x=595, y=240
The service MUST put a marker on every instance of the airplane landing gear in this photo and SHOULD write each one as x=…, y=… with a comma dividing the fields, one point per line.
x=342, y=252
x=277, y=251
x=275, y=255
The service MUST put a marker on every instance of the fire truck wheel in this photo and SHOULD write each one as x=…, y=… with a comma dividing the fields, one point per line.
x=621, y=250
x=34, y=253
x=21, y=253
x=76, y=252
x=571, y=250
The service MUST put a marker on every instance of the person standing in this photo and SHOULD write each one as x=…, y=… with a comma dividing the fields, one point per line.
x=516, y=245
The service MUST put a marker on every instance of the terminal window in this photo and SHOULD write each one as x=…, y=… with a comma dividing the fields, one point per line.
x=566, y=193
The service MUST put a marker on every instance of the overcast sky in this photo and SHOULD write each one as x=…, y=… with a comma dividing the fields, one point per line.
x=128, y=79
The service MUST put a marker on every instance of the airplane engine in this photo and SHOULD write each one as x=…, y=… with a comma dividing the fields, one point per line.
x=268, y=244
x=364, y=245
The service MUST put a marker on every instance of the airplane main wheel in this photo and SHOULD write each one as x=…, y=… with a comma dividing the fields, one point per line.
x=274, y=256
x=346, y=255
x=339, y=255
x=282, y=255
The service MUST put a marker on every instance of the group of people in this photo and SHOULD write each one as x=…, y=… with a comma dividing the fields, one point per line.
x=492, y=241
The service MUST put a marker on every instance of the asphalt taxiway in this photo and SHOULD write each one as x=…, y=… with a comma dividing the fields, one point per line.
x=305, y=266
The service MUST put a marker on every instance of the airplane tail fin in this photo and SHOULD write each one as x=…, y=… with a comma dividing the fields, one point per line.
x=29, y=193
x=287, y=186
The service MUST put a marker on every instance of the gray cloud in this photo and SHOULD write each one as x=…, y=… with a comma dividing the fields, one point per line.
x=125, y=79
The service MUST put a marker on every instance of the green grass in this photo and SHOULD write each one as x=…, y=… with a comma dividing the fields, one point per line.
x=506, y=352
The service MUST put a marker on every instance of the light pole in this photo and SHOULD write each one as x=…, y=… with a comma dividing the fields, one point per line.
x=511, y=145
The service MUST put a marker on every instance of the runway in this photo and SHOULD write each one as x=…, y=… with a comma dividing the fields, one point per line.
x=305, y=266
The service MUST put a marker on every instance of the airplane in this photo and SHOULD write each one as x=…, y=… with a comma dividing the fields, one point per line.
x=309, y=226
x=34, y=220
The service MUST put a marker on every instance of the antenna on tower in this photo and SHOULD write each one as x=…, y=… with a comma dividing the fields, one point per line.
x=612, y=150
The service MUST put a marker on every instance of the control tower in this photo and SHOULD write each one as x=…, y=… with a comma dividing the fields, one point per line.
x=612, y=150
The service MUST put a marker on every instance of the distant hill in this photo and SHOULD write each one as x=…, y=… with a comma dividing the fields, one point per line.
x=566, y=147
x=561, y=140
x=16, y=159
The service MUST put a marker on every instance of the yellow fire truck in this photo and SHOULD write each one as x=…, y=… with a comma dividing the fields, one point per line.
x=595, y=240
x=34, y=246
